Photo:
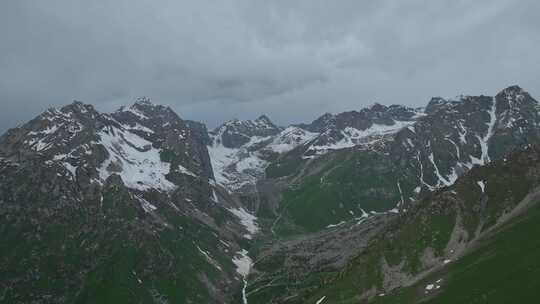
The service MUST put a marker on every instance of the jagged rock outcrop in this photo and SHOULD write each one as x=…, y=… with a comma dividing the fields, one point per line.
x=117, y=207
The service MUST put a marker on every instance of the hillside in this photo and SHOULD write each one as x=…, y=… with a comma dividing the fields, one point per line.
x=386, y=204
x=116, y=208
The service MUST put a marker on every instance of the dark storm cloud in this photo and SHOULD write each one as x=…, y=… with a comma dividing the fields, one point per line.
x=215, y=60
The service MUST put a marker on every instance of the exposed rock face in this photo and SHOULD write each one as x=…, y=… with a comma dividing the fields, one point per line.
x=455, y=135
x=241, y=150
x=428, y=178
x=236, y=133
x=139, y=204
x=398, y=249
x=352, y=128
x=161, y=125
x=384, y=168
x=115, y=207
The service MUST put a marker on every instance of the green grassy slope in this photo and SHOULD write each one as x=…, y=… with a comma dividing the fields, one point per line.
x=350, y=182
x=505, y=268
x=419, y=239
x=59, y=250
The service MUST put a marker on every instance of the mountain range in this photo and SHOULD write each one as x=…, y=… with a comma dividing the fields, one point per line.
x=386, y=204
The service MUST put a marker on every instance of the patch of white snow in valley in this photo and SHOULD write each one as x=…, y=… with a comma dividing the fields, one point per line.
x=70, y=168
x=235, y=167
x=146, y=205
x=243, y=262
x=251, y=162
x=215, y=198
x=135, y=160
x=243, y=265
x=484, y=141
x=482, y=185
x=431, y=188
x=438, y=174
x=320, y=300
x=248, y=220
x=222, y=157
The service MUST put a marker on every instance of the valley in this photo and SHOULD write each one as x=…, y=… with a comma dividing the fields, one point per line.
x=386, y=204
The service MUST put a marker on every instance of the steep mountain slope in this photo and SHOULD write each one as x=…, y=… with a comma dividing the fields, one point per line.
x=503, y=269
x=141, y=206
x=394, y=250
x=241, y=150
x=116, y=208
x=390, y=170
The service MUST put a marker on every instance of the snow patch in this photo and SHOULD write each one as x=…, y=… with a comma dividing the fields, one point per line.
x=484, y=158
x=243, y=263
x=135, y=160
x=146, y=205
x=248, y=220
x=353, y=137
x=290, y=138
x=482, y=185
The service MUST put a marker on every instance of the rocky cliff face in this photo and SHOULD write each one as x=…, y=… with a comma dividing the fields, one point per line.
x=241, y=150
x=117, y=207
x=410, y=255
x=140, y=205
x=394, y=165
x=357, y=128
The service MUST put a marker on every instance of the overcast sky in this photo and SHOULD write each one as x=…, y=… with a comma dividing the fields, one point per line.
x=293, y=60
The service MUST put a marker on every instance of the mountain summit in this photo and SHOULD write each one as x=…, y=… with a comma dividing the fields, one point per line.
x=142, y=206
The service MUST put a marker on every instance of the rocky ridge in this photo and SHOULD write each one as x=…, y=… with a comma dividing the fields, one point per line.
x=96, y=207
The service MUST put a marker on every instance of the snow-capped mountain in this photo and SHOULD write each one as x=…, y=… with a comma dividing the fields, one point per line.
x=236, y=133
x=390, y=166
x=366, y=127
x=441, y=141
x=176, y=206
x=132, y=188
x=240, y=151
x=142, y=143
x=455, y=135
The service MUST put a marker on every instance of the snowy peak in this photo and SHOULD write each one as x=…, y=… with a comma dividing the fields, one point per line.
x=144, y=109
x=455, y=135
x=78, y=107
x=264, y=122
x=53, y=132
x=320, y=124
x=147, y=145
x=143, y=101
x=184, y=141
x=365, y=127
x=236, y=133
x=363, y=119
x=513, y=98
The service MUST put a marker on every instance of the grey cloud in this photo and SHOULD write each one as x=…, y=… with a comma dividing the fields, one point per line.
x=293, y=60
